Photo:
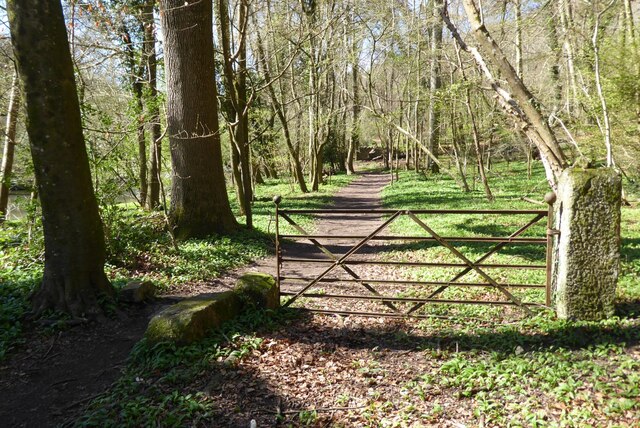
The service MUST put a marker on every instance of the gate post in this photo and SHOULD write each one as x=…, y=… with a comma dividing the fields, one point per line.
x=550, y=198
x=276, y=200
x=587, y=252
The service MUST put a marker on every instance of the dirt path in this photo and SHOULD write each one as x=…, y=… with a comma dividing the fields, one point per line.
x=350, y=229
x=362, y=193
x=332, y=370
x=52, y=375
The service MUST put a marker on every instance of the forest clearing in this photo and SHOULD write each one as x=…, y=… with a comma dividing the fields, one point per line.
x=320, y=213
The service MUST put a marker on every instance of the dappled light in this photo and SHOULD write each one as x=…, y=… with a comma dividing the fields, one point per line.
x=320, y=213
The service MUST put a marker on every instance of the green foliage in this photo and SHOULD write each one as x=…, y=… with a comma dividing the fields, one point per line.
x=538, y=371
x=264, y=208
x=509, y=183
x=531, y=371
x=139, y=246
x=556, y=372
x=20, y=273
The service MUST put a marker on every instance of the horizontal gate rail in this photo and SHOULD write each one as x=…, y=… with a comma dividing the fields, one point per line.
x=423, y=264
x=478, y=266
x=409, y=299
x=425, y=238
x=345, y=313
x=409, y=282
x=391, y=211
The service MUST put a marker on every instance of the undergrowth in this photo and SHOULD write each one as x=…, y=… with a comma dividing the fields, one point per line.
x=486, y=366
x=139, y=247
x=153, y=389
x=492, y=363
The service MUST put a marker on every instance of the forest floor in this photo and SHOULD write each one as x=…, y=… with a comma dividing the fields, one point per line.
x=58, y=366
x=461, y=366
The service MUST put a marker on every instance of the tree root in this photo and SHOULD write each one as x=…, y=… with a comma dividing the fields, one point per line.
x=77, y=292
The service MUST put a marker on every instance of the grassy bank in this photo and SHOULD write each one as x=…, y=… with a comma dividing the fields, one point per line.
x=506, y=369
x=139, y=247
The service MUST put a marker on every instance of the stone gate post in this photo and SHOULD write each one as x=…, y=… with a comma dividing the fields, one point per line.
x=586, y=258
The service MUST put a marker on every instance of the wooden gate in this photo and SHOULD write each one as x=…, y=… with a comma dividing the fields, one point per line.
x=298, y=280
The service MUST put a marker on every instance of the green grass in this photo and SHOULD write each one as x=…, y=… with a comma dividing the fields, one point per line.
x=264, y=208
x=484, y=365
x=20, y=270
x=536, y=371
x=139, y=247
x=509, y=185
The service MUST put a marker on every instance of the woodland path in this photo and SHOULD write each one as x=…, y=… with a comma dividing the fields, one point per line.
x=362, y=193
x=52, y=376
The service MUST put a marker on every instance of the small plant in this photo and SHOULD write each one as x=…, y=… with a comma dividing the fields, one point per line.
x=343, y=399
x=307, y=417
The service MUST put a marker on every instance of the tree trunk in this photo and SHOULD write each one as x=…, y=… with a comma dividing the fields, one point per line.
x=519, y=67
x=521, y=104
x=9, y=147
x=142, y=143
x=281, y=112
x=153, y=107
x=435, y=82
x=631, y=39
x=199, y=202
x=236, y=102
x=73, y=234
x=606, y=125
x=314, y=108
x=456, y=139
x=566, y=21
x=354, y=141
x=242, y=114
x=135, y=70
x=554, y=66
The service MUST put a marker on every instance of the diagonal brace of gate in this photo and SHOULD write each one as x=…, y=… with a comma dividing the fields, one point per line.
x=469, y=263
x=339, y=261
x=466, y=270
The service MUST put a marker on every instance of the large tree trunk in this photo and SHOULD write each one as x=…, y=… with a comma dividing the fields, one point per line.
x=9, y=147
x=153, y=107
x=199, y=202
x=73, y=235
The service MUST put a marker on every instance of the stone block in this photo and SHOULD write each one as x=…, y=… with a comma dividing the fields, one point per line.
x=587, y=252
x=189, y=320
x=259, y=290
x=138, y=291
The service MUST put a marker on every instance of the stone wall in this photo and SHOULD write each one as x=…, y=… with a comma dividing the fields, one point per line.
x=587, y=251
